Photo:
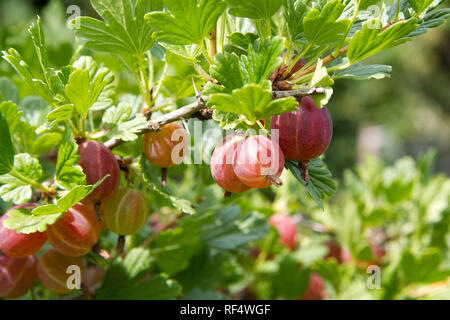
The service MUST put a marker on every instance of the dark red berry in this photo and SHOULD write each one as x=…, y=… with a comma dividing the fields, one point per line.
x=97, y=161
x=17, y=275
x=304, y=134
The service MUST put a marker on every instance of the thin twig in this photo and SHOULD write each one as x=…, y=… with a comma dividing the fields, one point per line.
x=298, y=93
x=154, y=125
x=195, y=110
x=325, y=61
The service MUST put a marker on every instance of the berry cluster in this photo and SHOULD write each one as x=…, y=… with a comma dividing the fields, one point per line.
x=240, y=163
x=124, y=211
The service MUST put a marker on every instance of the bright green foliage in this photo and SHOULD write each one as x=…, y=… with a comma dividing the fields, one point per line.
x=189, y=21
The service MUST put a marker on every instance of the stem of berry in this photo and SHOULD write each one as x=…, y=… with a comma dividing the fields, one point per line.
x=303, y=167
x=98, y=212
x=227, y=194
x=164, y=177
x=120, y=244
x=275, y=180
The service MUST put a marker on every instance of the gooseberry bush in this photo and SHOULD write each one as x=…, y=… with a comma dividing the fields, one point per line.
x=180, y=155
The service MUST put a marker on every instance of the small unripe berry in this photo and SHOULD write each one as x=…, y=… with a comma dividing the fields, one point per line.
x=76, y=232
x=286, y=227
x=165, y=148
x=125, y=212
x=52, y=269
x=258, y=162
x=17, y=275
x=97, y=161
x=222, y=165
x=20, y=245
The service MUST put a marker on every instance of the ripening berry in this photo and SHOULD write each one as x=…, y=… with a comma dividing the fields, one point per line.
x=76, y=232
x=258, y=162
x=316, y=288
x=165, y=148
x=222, y=164
x=125, y=212
x=304, y=134
x=20, y=245
x=17, y=275
x=53, y=270
x=286, y=227
x=97, y=161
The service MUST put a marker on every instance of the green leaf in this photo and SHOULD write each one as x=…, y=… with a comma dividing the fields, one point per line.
x=34, y=110
x=174, y=248
x=255, y=9
x=320, y=185
x=241, y=41
x=294, y=13
x=431, y=20
x=24, y=222
x=124, y=30
x=61, y=114
x=8, y=91
x=323, y=27
x=187, y=22
x=291, y=280
x=177, y=87
x=253, y=102
x=67, y=173
x=40, y=217
x=12, y=115
x=419, y=6
x=359, y=71
x=233, y=72
x=15, y=189
x=44, y=143
x=7, y=153
x=77, y=194
x=226, y=70
x=189, y=52
x=36, y=32
x=123, y=123
x=231, y=230
x=370, y=41
x=263, y=58
x=98, y=72
x=422, y=268
x=126, y=279
x=40, y=87
x=178, y=203
x=86, y=84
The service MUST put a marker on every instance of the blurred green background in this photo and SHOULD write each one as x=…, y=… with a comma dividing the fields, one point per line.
x=404, y=115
